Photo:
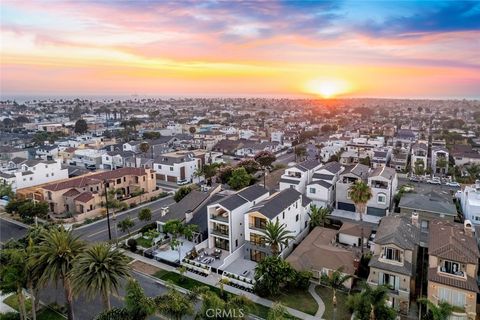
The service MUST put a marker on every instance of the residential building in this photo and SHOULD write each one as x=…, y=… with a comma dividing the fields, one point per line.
x=290, y=208
x=419, y=157
x=319, y=253
x=394, y=260
x=322, y=188
x=87, y=158
x=298, y=176
x=439, y=158
x=399, y=159
x=383, y=183
x=381, y=157
x=347, y=178
x=21, y=173
x=470, y=202
x=452, y=267
x=226, y=229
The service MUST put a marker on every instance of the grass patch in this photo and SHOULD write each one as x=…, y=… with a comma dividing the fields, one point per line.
x=299, y=300
x=42, y=314
x=146, y=243
x=48, y=314
x=327, y=294
x=12, y=301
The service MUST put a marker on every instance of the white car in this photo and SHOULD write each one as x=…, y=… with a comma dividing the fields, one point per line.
x=182, y=182
x=453, y=184
x=434, y=181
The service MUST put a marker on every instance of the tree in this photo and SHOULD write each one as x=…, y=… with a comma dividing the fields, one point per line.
x=13, y=276
x=182, y=193
x=55, y=254
x=360, y=193
x=151, y=135
x=335, y=281
x=277, y=236
x=235, y=306
x=318, y=216
x=27, y=209
x=300, y=152
x=473, y=172
x=6, y=191
x=271, y=274
x=419, y=167
x=250, y=165
x=99, y=270
x=174, y=305
x=278, y=312
x=81, y=126
x=239, y=179
x=177, y=229
x=145, y=214
x=126, y=224
x=225, y=173
x=265, y=158
x=144, y=147
x=440, y=311
x=192, y=130
x=371, y=304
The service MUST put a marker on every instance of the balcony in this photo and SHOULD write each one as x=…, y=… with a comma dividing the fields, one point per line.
x=379, y=184
x=259, y=227
x=258, y=244
x=220, y=232
x=220, y=217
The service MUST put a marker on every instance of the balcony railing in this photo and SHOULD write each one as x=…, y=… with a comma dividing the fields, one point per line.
x=256, y=227
x=219, y=217
x=258, y=244
x=219, y=232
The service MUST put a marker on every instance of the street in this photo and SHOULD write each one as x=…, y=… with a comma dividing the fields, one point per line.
x=11, y=230
x=98, y=230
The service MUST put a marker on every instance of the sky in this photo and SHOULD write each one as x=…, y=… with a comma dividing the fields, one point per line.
x=411, y=49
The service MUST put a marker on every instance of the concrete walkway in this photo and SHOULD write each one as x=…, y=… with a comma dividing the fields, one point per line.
x=321, y=305
x=4, y=308
x=213, y=280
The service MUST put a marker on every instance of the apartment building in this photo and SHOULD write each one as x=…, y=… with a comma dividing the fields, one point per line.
x=394, y=260
x=453, y=265
x=300, y=175
x=347, y=178
x=86, y=193
x=322, y=188
x=383, y=182
x=21, y=173
x=290, y=208
x=226, y=228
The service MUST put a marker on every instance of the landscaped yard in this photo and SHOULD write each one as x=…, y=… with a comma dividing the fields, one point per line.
x=42, y=314
x=146, y=243
x=300, y=300
x=327, y=294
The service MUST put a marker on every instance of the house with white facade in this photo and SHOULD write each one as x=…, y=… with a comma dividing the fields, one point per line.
x=439, y=156
x=299, y=176
x=277, y=136
x=470, y=202
x=226, y=229
x=347, y=178
x=116, y=159
x=322, y=188
x=290, y=208
x=419, y=157
x=87, y=158
x=47, y=152
x=29, y=173
x=383, y=183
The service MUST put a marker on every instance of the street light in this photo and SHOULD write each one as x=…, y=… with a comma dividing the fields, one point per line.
x=105, y=183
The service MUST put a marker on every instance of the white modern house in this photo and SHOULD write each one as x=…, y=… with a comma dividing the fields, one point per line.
x=290, y=208
x=383, y=182
x=87, y=158
x=322, y=188
x=439, y=158
x=419, y=156
x=470, y=201
x=299, y=176
x=226, y=229
x=176, y=166
x=29, y=173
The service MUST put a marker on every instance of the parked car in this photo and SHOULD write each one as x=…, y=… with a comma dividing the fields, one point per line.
x=453, y=184
x=182, y=182
x=434, y=181
x=414, y=179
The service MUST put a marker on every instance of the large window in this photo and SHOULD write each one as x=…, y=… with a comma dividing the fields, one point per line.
x=391, y=254
x=382, y=198
x=453, y=297
x=257, y=239
x=452, y=268
x=312, y=190
x=258, y=223
x=221, y=244
x=256, y=255
x=393, y=282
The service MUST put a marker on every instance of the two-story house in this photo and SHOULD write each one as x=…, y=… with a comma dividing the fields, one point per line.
x=226, y=229
x=453, y=265
x=300, y=175
x=394, y=260
x=176, y=166
x=347, y=178
x=383, y=183
x=290, y=208
x=322, y=188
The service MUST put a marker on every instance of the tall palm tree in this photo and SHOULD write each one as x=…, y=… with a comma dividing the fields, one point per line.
x=276, y=236
x=336, y=280
x=318, y=216
x=174, y=305
x=99, y=269
x=360, y=193
x=440, y=311
x=56, y=253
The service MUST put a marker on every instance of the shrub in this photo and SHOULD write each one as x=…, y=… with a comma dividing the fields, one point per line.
x=148, y=227
x=132, y=244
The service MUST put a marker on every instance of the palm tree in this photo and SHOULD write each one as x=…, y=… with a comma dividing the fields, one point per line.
x=99, y=270
x=276, y=236
x=174, y=305
x=144, y=147
x=360, y=193
x=335, y=280
x=177, y=229
x=55, y=254
x=440, y=311
x=371, y=304
x=473, y=172
x=318, y=216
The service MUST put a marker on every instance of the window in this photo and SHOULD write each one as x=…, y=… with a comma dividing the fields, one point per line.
x=312, y=190
x=453, y=297
x=296, y=217
x=119, y=181
x=382, y=198
x=424, y=225
x=283, y=215
x=452, y=268
x=391, y=254
x=171, y=168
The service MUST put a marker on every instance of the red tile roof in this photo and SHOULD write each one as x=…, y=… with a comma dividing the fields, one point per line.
x=84, y=197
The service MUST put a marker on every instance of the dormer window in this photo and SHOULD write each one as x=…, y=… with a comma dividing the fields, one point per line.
x=451, y=267
x=391, y=254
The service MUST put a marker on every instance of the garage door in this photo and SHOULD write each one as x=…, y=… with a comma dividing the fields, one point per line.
x=161, y=177
x=376, y=211
x=171, y=179
x=346, y=206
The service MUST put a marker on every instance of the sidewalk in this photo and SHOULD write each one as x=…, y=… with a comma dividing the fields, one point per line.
x=4, y=308
x=213, y=280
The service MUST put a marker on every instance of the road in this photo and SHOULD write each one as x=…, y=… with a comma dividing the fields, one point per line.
x=98, y=230
x=285, y=158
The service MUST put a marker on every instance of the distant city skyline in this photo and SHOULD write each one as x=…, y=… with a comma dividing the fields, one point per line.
x=405, y=49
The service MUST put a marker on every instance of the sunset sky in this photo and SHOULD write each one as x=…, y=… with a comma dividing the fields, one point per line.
x=231, y=48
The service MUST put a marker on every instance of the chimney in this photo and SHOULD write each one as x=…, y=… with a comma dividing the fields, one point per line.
x=467, y=228
x=415, y=219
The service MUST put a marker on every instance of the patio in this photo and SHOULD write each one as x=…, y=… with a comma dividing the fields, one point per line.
x=165, y=252
x=242, y=267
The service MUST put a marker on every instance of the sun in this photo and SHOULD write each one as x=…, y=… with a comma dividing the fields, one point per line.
x=327, y=88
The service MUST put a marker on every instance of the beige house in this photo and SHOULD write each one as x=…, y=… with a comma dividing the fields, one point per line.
x=87, y=193
x=453, y=263
x=393, y=263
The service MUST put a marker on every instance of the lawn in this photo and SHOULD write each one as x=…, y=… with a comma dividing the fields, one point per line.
x=299, y=300
x=42, y=314
x=146, y=243
x=327, y=294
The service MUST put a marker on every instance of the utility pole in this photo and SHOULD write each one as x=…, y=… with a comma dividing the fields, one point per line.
x=105, y=183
